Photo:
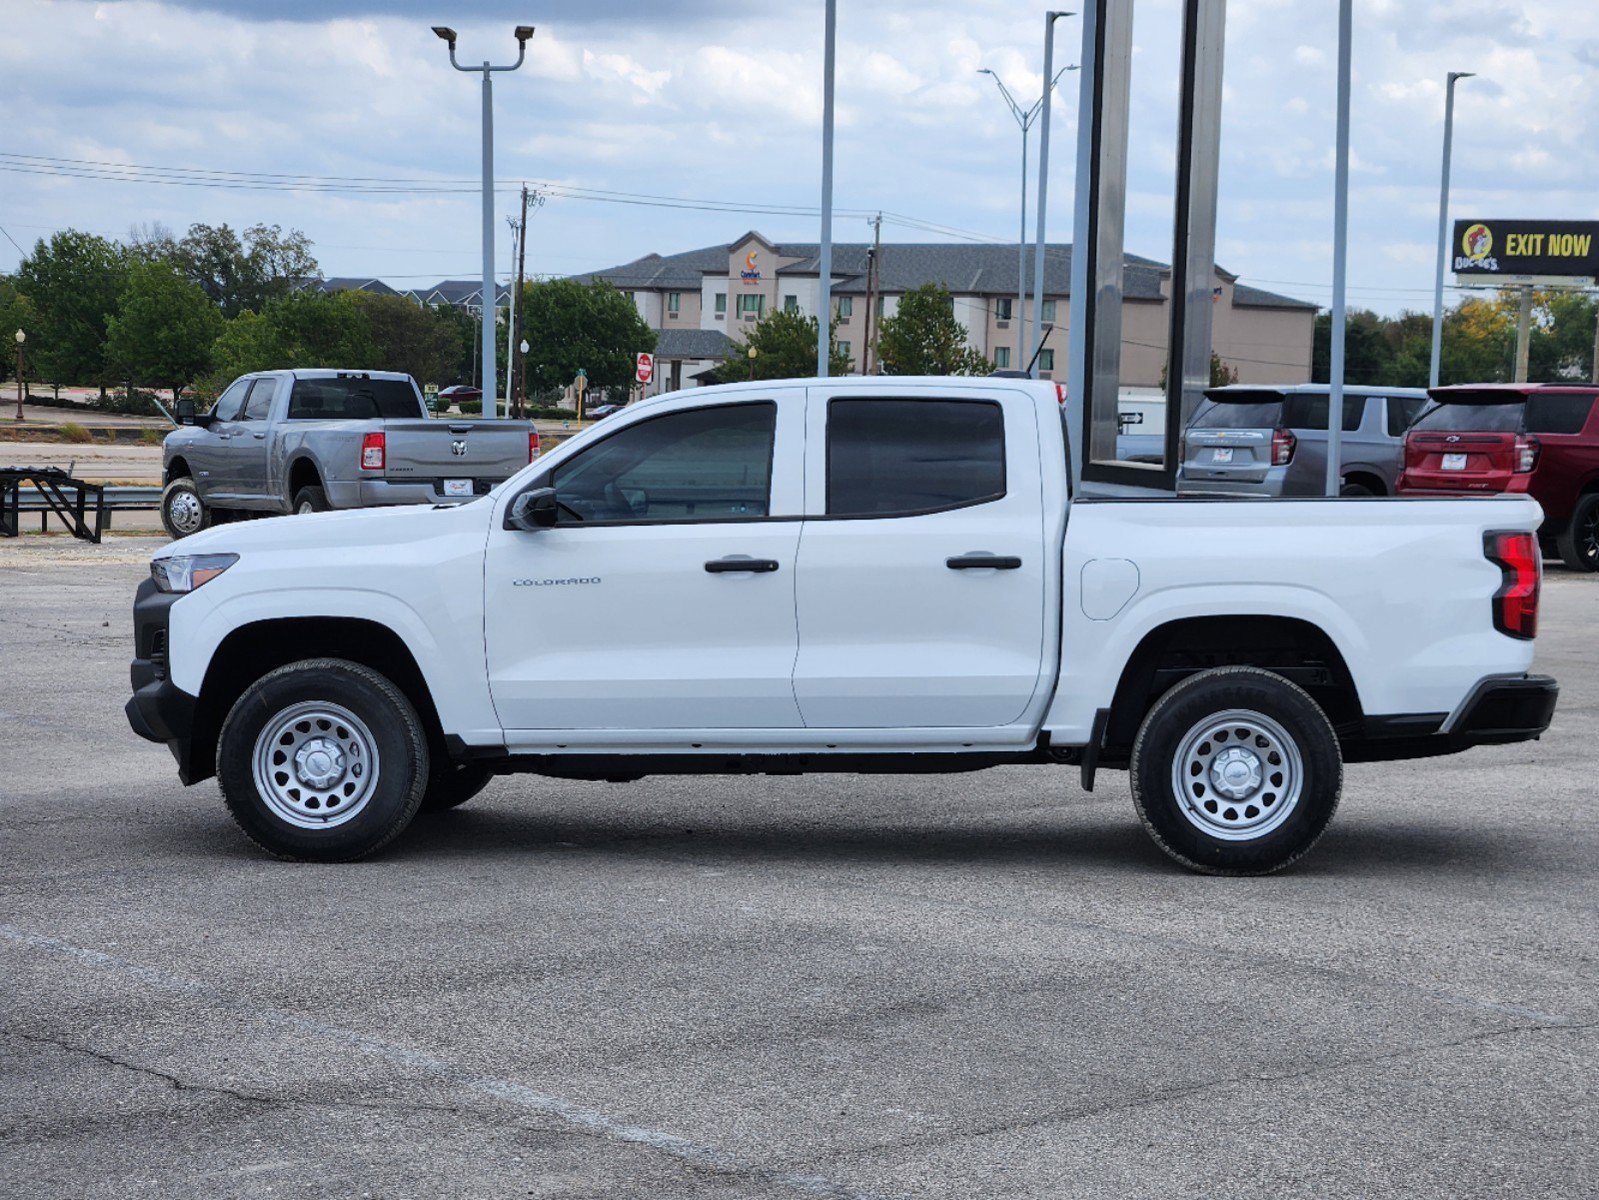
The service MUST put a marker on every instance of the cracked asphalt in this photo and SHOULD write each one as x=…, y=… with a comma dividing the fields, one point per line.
x=958, y=986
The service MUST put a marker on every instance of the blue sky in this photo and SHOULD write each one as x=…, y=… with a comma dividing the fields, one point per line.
x=719, y=102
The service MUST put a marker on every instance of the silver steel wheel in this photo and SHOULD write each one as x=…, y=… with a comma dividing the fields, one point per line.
x=315, y=764
x=185, y=512
x=1237, y=775
x=305, y=506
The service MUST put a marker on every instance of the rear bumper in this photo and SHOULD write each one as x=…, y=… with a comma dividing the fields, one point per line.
x=380, y=493
x=1516, y=708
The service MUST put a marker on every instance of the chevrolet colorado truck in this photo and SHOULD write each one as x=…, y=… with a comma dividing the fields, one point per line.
x=310, y=440
x=847, y=575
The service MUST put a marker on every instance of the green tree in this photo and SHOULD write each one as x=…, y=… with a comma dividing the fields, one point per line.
x=239, y=274
x=301, y=329
x=572, y=325
x=164, y=329
x=1368, y=351
x=924, y=338
x=15, y=313
x=73, y=282
x=409, y=337
x=785, y=348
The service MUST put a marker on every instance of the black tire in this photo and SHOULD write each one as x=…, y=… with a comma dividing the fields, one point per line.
x=1579, y=543
x=1243, y=833
x=385, y=731
x=1353, y=487
x=453, y=784
x=180, y=501
x=310, y=499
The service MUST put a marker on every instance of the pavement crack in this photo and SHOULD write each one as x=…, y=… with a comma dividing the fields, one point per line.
x=178, y=1083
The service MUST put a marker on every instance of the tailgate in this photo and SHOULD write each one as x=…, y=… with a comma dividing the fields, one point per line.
x=1459, y=462
x=1235, y=455
x=476, y=450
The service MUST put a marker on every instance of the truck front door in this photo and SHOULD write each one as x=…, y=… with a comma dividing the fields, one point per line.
x=920, y=585
x=663, y=598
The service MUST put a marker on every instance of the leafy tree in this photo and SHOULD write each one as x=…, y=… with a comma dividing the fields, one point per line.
x=570, y=325
x=924, y=338
x=73, y=283
x=785, y=348
x=301, y=329
x=238, y=274
x=164, y=329
x=409, y=337
x=15, y=313
x=1221, y=374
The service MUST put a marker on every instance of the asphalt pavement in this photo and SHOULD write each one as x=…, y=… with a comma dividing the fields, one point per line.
x=990, y=985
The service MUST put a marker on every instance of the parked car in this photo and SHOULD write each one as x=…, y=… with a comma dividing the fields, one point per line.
x=1541, y=439
x=846, y=575
x=1247, y=440
x=459, y=392
x=308, y=440
x=599, y=412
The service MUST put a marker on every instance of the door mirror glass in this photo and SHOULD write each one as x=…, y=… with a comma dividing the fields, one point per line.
x=532, y=510
x=186, y=411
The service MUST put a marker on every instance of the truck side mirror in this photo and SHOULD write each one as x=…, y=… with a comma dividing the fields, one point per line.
x=532, y=510
x=185, y=411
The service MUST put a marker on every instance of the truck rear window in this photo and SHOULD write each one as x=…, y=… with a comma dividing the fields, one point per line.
x=1473, y=418
x=352, y=399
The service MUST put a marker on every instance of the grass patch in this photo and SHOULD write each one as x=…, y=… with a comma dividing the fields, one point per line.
x=153, y=437
x=71, y=431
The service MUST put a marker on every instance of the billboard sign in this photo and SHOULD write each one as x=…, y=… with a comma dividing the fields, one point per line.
x=1525, y=252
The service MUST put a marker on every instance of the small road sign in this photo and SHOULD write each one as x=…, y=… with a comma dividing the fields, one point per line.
x=646, y=367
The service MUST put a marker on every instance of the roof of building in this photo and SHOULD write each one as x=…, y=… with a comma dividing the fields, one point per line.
x=352, y=284
x=691, y=343
x=459, y=291
x=964, y=268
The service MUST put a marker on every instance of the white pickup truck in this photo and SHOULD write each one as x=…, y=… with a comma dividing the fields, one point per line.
x=849, y=575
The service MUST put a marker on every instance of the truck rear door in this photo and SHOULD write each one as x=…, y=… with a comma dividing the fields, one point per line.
x=920, y=585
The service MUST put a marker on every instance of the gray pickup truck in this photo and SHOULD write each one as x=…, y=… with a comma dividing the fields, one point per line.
x=308, y=440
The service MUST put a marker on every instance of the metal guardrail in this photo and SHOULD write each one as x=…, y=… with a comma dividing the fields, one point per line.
x=84, y=508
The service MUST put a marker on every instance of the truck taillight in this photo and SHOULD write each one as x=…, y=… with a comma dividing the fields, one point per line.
x=1060, y=393
x=1282, y=447
x=532, y=444
x=372, y=448
x=1515, y=604
x=1526, y=453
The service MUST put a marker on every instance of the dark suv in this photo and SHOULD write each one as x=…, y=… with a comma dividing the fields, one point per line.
x=1538, y=438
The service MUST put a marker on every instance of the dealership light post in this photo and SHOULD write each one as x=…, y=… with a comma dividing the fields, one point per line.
x=523, y=33
x=21, y=337
x=1024, y=119
x=1335, y=374
x=1443, y=227
x=824, y=257
x=1043, y=195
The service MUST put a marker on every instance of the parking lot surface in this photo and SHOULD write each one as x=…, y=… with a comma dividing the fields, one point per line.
x=986, y=985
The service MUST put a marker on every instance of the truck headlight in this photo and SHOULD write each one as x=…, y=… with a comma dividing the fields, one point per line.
x=185, y=572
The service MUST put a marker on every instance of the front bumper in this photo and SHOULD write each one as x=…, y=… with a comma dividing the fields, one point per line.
x=159, y=710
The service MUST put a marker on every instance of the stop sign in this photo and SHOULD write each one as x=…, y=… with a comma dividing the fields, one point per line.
x=646, y=367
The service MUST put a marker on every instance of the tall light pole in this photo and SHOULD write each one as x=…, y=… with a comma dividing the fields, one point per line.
x=1024, y=119
x=1443, y=228
x=510, y=316
x=523, y=34
x=1335, y=373
x=824, y=257
x=1043, y=195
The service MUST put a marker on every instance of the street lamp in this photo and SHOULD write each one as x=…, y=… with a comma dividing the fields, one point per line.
x=1043, y=193
x=523, y=34
x=1443, y=228
x=752, y=356
x=1024, y=119
x=21, y=337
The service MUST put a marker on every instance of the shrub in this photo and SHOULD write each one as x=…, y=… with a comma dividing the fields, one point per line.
x=74, y=432
x=470, y=408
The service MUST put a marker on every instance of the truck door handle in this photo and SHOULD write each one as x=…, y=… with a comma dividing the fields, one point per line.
x=983, y=560
x=740, y=562
x=258, y=436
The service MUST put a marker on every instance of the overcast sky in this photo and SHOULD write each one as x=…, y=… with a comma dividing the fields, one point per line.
x=718, y=102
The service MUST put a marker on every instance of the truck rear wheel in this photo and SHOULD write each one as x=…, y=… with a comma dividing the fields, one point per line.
x=182, y=510
x=1236, y=771
x=310, y=500
x=322, y=760
x=1579, y=544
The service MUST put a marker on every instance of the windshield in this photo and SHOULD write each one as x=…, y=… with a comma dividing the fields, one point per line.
x=1476, y=418
x=352, y=398
x=1231, y=414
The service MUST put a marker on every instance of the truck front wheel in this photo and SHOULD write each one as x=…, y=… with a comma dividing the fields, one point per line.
x=1236, y=771
x=182, y=510
x=322, y=760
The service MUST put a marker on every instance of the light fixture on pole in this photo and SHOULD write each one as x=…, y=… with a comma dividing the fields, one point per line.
x=1043, y=195
x=21, y=337
x=1443, y=228
x=523, y=33
x=1024, y=119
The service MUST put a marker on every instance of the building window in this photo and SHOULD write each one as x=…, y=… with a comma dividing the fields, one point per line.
x=721, y=304
x=1046, y=360
x=1002, y=357
x=751, y=305
x=880, y=302
x=846, y=307
x=791, y=304
x=843, y=348
x=674, y=302
x=1002, y=308
x=1048, y=310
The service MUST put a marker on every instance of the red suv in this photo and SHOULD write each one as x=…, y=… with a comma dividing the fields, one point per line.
x=1537, y=438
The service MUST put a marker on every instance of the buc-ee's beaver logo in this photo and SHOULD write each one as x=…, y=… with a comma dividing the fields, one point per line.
x=1476, y=245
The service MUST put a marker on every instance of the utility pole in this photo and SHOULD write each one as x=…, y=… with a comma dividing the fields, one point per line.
x=511, y=314
x=1523, y=333
x=869, y=352
x=516, y=325
x=1043, y=196
x=824, y=263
